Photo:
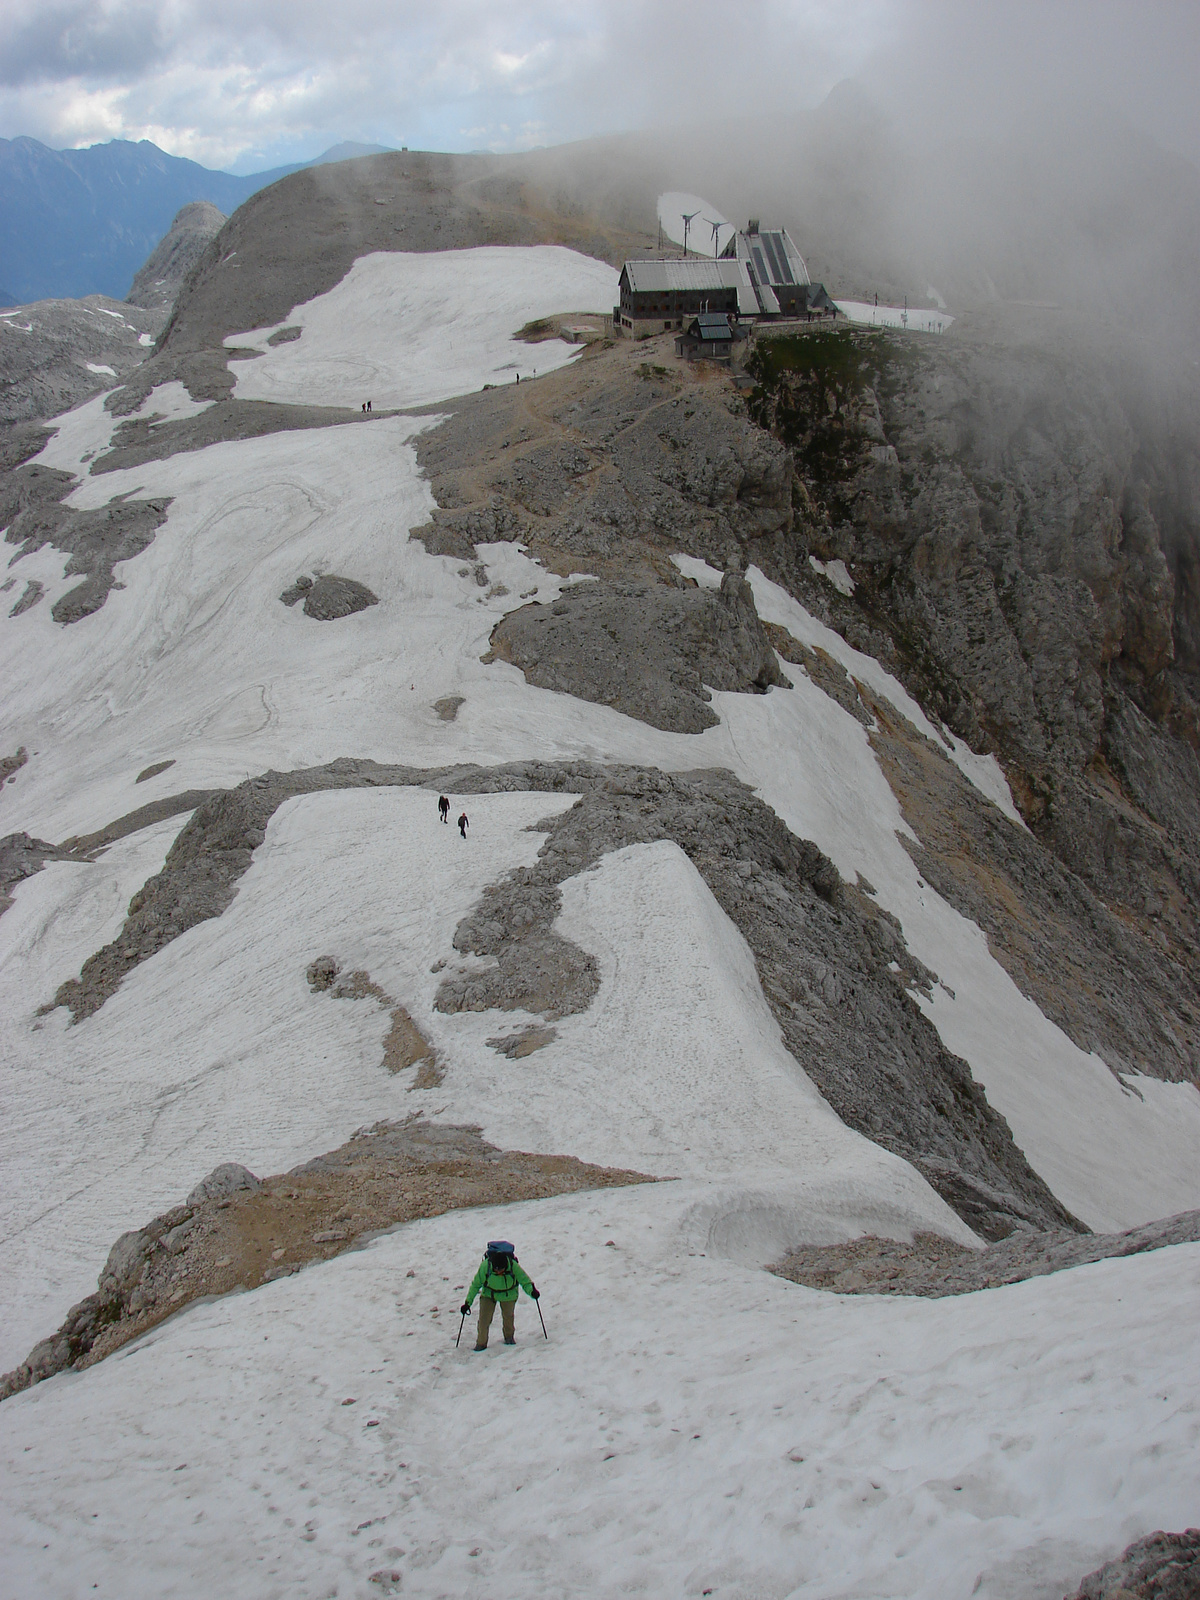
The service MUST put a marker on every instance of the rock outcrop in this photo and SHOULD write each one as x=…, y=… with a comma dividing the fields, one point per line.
x=236, y=1231
x=652, y=651
x=1162, y=1566
x=932, y=1266
x=166, y=269
x=55, y=354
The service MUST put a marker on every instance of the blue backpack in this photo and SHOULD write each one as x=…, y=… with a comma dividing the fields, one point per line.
x=500, y=1255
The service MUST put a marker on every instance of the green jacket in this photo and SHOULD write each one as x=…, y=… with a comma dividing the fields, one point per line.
x=499, y=1285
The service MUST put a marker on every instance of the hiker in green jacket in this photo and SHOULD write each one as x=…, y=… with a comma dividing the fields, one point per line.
x=498, y=1282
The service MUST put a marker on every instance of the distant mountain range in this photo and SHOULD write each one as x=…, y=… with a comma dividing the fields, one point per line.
x=79, y=222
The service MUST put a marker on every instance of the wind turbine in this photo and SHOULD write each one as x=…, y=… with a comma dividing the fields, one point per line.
x=688, y=218
x=716, y=228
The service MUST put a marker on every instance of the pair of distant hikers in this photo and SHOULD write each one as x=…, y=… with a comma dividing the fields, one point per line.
x=444, y=813
x=498, y=1283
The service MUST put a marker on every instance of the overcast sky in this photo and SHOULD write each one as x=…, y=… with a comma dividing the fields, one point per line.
x=246, y=84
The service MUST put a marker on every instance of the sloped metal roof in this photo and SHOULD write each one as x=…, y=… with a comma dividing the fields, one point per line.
x=774, y=256
x=666, y=277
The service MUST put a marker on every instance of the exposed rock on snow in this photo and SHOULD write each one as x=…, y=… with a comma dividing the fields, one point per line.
x=227, y=1179
x=31, y=504
x=166, y=269
x=834, y=966
x=11, y=765
x=1163, y=1566
x=235, y=1232
x=55, y=353
x=139, y=439
x=154, y=769
x=649, y=651
x=20, y=857
x=30, y=595
x=931, y=1265
x=329, y=597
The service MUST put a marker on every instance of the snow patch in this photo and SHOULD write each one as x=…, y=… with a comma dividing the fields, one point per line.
x=99, y=367
x=836, y=572
x=406, y=329
x=172, y=402
x=915, y=319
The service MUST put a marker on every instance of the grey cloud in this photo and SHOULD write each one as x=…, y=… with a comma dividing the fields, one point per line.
x=50, y=43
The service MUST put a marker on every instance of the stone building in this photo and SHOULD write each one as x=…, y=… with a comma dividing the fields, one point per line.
x=758, y=276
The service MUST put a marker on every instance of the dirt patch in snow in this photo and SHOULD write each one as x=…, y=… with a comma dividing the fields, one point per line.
x=933, y=1266
x=11, y=765
x=405, y=1046
x=236, y=1232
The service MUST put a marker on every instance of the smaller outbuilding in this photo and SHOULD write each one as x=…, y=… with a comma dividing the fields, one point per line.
x=707, y=337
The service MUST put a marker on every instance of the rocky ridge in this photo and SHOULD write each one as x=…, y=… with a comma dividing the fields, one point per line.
x=933, y=1266
x=236, y=1231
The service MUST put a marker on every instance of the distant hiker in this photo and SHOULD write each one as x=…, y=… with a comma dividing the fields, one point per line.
x=518, y=377
x=364, y=405
x=497, y=1283
x=463, y=824
x=443, y=808
x=368, y=405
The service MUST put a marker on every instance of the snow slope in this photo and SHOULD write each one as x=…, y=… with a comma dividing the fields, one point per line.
x=690, y=1427
x=933, y=1435
x=405, y=330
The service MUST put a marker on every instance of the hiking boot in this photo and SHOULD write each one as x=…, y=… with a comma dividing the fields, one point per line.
x=510, y=1341
x=479, y=1347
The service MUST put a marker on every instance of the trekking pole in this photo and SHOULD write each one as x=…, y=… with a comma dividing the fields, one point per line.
x=462, y=1319
x=541, y=1318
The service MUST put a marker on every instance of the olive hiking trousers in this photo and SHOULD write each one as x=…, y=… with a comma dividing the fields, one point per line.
x=508, y=1319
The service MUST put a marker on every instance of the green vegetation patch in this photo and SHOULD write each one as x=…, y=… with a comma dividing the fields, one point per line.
x=809, y=391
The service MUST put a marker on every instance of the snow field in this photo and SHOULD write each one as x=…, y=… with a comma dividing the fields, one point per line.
x=693, y=1424
x=216, y=1049
x=197, y=659
x=689, y=1426
x=405, y=330
x=678, y=1068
